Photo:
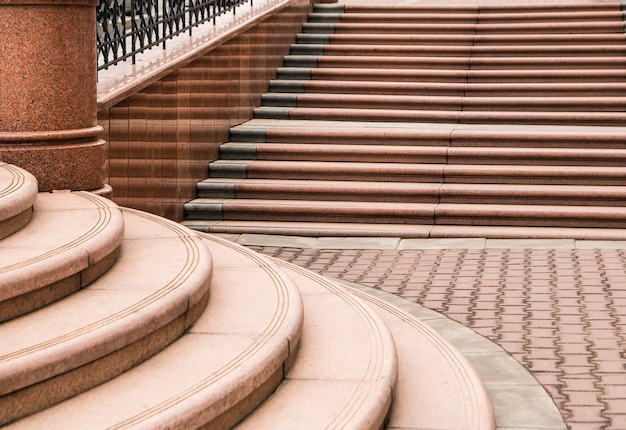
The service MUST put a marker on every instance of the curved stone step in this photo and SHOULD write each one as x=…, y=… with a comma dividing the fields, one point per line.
x=155, y=291
x=345, y=373
x=455, y=396
x=71, y=240
x=226, y=364
x=18, y=192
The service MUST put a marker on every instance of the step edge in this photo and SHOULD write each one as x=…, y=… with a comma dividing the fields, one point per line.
x=75, y=263
x=175, y=310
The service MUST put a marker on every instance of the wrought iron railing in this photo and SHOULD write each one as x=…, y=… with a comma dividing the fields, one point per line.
x=127, y=27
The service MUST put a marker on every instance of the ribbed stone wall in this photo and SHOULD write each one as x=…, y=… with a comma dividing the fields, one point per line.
x=161, y=139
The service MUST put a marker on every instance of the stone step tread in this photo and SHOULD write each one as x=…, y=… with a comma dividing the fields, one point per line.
x=296, y=151
x=457, y=397
x=479, y=17
x=452, y=103
x=468, y=8
x=455, y=89
x=420, y=74
x=590, y=27
x=153, y=293
x=447, y=62
x=465, y=39
x=234, y=228
x=406, y=191
x=253, y=167
x=71, y=240
x=428, y=133
x=499, y=214
x=18, y=193
x=401, y=209
x=346, y=366
x=527, y=117
x=440, y=50
x=226, y=364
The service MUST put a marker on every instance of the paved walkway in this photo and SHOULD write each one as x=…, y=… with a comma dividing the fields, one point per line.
x=557, y=306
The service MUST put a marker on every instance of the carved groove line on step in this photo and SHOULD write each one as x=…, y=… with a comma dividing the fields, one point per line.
x=190, y=265
x=17, y=179
x=106, y=215
x=379, y=343
x=281, y=312
x=469, y=385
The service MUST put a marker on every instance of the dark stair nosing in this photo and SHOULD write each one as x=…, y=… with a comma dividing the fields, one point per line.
x=228, y=170
x=240, y=151
x=242, y=134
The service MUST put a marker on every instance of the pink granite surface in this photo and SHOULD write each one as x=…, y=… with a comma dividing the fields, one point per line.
x=49, y=125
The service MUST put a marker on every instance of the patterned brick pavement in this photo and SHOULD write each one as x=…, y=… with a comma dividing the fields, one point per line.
x=560, y=312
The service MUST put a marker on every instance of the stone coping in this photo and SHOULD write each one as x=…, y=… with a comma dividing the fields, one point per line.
x=125, y=79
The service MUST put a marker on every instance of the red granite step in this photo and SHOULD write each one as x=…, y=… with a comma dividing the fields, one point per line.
x=550, y=156
x=456, y=63
x=416, y=172
x=455, y=75
x=376, y=74
x=409, y=213
x=400, y=28
x=373, y=61
x=321, y=229
x=479, y=17
x=469, y=8
x=448, y=103
x=458, y=193
x=390, y=17
x=498, y=115
x=440, y=50
x=518, y=137
x=588, y=89
x=444, y=116
x=476, y=40
x=612, y=26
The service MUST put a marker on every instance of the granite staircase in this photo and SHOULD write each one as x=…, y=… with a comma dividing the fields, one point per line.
x=115, y=318
x=434, y=121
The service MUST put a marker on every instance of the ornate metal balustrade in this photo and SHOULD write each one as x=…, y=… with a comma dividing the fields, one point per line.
x=128, y=27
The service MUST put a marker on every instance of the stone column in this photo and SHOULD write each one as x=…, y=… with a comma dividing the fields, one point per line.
x=48, y=118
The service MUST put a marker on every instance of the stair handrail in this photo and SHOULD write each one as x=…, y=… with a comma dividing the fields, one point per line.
x=125, y=28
